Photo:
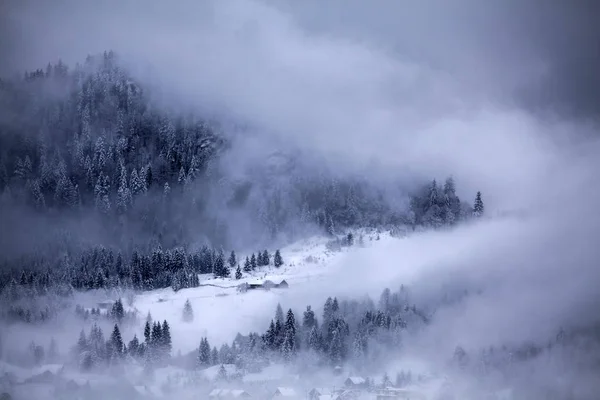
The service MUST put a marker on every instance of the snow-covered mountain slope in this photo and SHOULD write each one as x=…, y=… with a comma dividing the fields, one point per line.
x=221, y=311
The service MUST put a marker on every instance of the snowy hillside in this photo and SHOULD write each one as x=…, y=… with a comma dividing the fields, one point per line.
x=221, y=311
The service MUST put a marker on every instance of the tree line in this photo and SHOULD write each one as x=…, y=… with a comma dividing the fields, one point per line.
x=89, y=144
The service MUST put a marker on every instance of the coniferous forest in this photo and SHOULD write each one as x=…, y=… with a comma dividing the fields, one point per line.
x=100, y=188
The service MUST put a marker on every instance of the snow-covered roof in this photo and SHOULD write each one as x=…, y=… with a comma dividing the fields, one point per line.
x=356, y=380
x=285, y=392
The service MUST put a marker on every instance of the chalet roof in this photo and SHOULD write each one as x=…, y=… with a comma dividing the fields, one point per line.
x=356, y=380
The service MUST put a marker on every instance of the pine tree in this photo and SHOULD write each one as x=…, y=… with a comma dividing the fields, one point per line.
x=309, y=320
x=247, y=265
x=335, y=349
x=82, y=343
x=449, y=216
x=220, y=269
x=118, y=311
x=314, y=340
x=350, y=239
x=478, y=207
x=290, y=333
x=232, y=260
x=135, y=183
x=269, y=337
x=204, y=354
x=214, y=356
x=167, y=345
x=188, y=312
x=123, y=193
x=279, y=314
x=287, y=348
x=253, y=262
x=116, y=342
x=266, y=258
x=133, y=348
x=277, y=260
x=148, y=331
x=238, y=273
x=328, y=312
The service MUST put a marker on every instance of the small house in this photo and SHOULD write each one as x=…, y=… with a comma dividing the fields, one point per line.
x=285, y=392
x=282, y=285
x=355, y=382
x=267, y=284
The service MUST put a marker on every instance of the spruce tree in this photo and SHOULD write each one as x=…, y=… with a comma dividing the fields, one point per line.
x=335, y=349
x=350, y=239
x=188, y=312
x=314, y=340
x=277, y=260
x=269, y=337
x=238, y=273
x=266, y=258
x=287, y=348
x=82, y=343
x=118, y=311
x=290, y=332
x=247, y=265
x=166, y=343
x=147, y=332
x=478, y=207
x=232, y=260
x=204, y=354
x=279, y=314
x=253, y=262
x=133, y=348
x=214, y=356
x=116, y=342
x=309, y=320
